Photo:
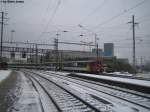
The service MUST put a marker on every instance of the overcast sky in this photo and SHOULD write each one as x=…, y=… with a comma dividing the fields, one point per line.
x=40, y=20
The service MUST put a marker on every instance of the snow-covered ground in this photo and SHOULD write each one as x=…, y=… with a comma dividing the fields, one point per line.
x=4, y=74
x=144, y=75
x=121, y=73
x=119, y=105
x=118, y=79
x=57, y=72
x=29, y=99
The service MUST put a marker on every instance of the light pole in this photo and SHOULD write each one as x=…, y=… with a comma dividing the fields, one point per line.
x=12, y=32
x=58, y=64
x=2, y=22
x=95, y=35
x=2, y=26
x=95, y=38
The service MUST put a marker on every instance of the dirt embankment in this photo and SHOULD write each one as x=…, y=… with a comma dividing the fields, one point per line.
x=8, y=92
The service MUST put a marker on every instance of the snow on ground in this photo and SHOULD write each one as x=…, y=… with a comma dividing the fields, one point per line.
x=29, y=98
x=48, y=105
x=119, y=105
x=144, y=75
x=121, y=73
x=118, y=79
x=4, y=74
x=57, y=72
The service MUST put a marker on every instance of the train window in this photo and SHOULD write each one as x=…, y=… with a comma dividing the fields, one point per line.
x=82, y=64
x=75, y=64
x=68, y=64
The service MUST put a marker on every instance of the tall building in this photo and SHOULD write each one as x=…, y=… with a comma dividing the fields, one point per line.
x=109, y=49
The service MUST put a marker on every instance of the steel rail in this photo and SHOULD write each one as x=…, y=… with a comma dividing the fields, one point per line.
x=104, y=85
x=51, y=98
x=77, y=97
x=114, y=95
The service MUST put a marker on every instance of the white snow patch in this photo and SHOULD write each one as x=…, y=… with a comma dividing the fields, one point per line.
x=144, y=75
x=29, y=98
x=4, y=74
x=118, y=104
x=121, y=73
x=56, y=72
x=48, y=105
x=118, y=79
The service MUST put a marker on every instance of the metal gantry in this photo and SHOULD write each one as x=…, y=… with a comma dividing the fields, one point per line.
x=32, y=50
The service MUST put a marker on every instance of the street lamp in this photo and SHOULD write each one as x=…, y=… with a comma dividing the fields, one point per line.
x=95, y=35
x=58, y=63
x=12, y=31
x=59, y=31
x=95, y=38
x=65, y=31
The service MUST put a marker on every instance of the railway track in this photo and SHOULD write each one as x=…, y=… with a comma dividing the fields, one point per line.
x=134, y=98
x=125, y=76
x=102, y=84
x=118, y=82
x=65, y=99
x=38, y=87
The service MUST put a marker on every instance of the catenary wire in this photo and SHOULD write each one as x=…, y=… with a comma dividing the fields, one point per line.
x=120, y=14
x=91, y=13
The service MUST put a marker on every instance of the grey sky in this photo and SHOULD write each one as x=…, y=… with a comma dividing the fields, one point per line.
x=35, y=17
